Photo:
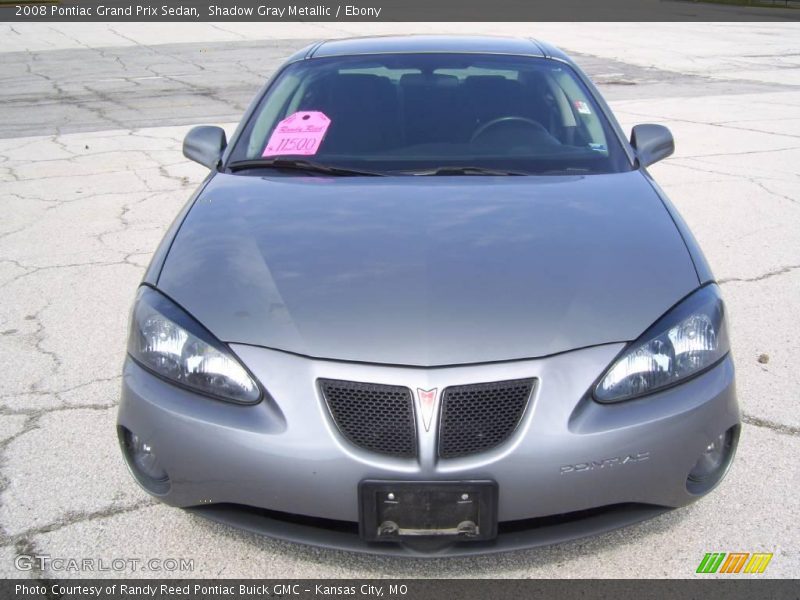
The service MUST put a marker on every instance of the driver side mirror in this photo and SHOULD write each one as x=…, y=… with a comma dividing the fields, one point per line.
x=204, y=145
x=652, y=143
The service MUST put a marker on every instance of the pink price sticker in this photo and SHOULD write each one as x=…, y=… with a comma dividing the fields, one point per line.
x=582, y=107
x=299, y=133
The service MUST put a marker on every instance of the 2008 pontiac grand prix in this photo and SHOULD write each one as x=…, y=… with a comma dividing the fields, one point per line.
x=428, y=300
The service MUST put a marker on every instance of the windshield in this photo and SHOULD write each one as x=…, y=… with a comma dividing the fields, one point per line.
x=423, y=113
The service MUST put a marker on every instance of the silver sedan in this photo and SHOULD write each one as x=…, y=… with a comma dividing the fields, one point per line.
x=428, y=300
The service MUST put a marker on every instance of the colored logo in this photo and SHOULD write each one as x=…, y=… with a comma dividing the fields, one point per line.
x=426, y=400
x=734, y=562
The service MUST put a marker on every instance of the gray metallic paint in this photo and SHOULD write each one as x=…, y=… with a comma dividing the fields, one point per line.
x=205, y=144
x=428, y=271
x=652, y=142
x=286, y=454
x=704, y=273
x=160, y=255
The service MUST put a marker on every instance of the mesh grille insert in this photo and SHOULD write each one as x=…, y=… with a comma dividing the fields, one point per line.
x=478, y=417
x=375, y=417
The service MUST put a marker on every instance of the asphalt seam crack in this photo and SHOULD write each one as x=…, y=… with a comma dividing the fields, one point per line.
x=55, y=393
x=762, y=277
x=721, y=124
x=771, y=425
x=74, y=518
x=155, y=177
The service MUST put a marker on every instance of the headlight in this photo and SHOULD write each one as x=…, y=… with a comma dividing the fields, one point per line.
x=170, y=343
x=690, y=338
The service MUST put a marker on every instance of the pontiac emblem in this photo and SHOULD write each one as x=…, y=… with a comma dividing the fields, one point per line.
x=426, y=400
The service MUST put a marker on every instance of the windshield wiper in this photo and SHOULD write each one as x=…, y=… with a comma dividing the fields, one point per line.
x=300, y=165
x=466, y=171
x=566, y=171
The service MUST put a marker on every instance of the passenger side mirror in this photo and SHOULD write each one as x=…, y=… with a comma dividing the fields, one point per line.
x=652, y=143
x=204, y=145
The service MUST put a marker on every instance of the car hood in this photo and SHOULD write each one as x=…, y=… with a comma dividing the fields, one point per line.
x=427, y=271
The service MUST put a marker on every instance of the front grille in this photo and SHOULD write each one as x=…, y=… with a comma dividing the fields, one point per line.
x=478, y=417
x=375, y=417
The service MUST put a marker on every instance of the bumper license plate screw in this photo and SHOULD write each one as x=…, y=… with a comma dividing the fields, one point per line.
x=390, y=496
x=388, y=528
x=467, y=528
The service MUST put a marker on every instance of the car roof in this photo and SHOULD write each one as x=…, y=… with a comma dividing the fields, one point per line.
x=393, y=44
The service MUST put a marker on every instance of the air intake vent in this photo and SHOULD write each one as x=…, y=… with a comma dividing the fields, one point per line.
x=379, y=418
x=478, y=417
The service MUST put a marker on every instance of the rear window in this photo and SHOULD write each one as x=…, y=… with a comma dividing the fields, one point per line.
x=399, y=113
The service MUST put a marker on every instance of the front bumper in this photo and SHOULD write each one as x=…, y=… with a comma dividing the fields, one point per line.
x=614, y=464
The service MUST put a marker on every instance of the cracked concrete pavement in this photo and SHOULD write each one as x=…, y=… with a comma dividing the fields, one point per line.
x=91, y=174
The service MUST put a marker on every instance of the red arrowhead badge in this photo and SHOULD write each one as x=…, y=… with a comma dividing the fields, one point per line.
x=426, y=400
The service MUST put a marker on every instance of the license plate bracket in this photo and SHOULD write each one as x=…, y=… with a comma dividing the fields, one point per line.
x=391, y=511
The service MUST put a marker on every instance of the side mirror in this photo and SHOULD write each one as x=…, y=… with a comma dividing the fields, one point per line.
x=204, y=145
x=652, y=143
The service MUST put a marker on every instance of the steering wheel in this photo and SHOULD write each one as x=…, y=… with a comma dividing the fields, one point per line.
x=503, y=120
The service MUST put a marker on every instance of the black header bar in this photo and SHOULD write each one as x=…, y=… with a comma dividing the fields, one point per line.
x=400, y=10
x=744, y=587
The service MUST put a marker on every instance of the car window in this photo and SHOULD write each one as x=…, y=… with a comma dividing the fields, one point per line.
x=400, y=113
